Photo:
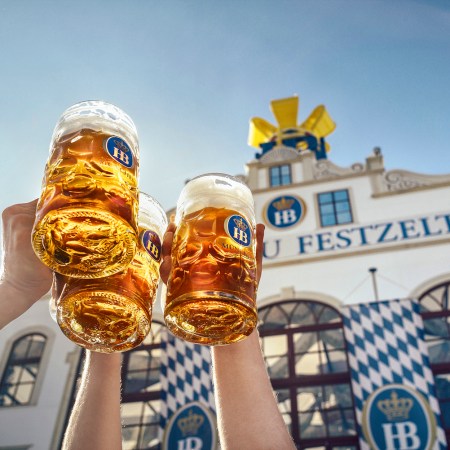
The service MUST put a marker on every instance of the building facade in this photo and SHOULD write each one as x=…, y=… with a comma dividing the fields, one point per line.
x=335, y=238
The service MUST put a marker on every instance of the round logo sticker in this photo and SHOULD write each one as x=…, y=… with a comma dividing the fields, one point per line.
x=192, y=427
x=284, y=211
x=239, y=230
x=119, y=150
x=152, y=244
x=397, y=416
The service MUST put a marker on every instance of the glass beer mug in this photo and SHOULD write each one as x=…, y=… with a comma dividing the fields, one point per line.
x=211, y=291
x=86, y=218
x=114, y=313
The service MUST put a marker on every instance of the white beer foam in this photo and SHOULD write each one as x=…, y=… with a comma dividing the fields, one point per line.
x=99, y=116
x=218, y=191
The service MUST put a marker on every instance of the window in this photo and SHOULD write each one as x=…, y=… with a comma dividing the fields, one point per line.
x=280, y=175
x=334, y=208
x=435, y=311
x=22, y=369
x=305, y=353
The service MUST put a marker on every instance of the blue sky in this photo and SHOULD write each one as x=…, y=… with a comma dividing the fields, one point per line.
x=191, y=73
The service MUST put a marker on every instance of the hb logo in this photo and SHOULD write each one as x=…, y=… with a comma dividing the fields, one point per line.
x=151, y=242
x=396, y=417
x=239, y=230
x=119, y=150
x=284, y=211
x=192, y=427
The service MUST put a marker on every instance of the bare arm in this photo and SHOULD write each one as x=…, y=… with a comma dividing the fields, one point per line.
x=95, y=421
x=24, y=278
x=247, y=411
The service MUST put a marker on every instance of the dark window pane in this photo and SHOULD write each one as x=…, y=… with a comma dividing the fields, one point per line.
x=439, y=351
x=342, y=207
x=344, y=217
x=302, y=314
x=285, y=170
x=332, y=339
x=341, y=422
x=327, y=209
x=328, y=220
x=334, y=362
x=312, y=425
x=325, y=198
x=340, y=195
x=437, y=327
x=338, y=395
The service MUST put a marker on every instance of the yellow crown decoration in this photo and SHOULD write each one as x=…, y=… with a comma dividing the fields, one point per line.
x=240, y=224
x=309, y=134
x=190, y=424
x=283, y=204
x=395, y=408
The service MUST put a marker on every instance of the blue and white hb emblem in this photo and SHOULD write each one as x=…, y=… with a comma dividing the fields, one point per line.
x=239, y=230
x=192, y=427
x=152, y=244
x=398, y=417
x=284, y=211
x=119, y=150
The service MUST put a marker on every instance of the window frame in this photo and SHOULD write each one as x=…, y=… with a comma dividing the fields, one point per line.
x=279, y=174
x=294, y=382
x=12, y=361
x=333, y=204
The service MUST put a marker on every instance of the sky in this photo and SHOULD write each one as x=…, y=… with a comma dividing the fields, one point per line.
x=191, y=74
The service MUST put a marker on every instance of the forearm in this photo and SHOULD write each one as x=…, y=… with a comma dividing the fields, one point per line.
x=247, y=410
x=12, y=303
x=95, y=421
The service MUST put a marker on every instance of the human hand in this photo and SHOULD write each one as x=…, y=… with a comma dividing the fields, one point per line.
x=166, y=264
x=23, y=273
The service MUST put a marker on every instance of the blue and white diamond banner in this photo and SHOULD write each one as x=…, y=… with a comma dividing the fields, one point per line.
x=185, y=376
x=393, y=385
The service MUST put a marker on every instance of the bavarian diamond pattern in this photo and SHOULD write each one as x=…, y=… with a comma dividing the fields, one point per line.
x=185, y=375
x=386, y=345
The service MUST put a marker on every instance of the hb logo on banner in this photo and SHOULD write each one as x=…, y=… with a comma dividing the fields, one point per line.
x=398, y=417
x=393, y=385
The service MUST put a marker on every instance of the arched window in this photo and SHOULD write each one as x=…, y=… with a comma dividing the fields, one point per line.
x=435, y=311
x=21, y=370
x=305, y=352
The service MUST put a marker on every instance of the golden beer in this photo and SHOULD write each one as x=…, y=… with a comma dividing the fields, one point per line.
x=114, y=313
x=211, y=291
x=86, y=218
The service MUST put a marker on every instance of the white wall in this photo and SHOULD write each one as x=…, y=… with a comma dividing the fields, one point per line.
x=34, y=424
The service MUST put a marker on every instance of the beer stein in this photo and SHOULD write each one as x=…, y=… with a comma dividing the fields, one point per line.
x=211, y=291
x=86, y=218
x=114, y=313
